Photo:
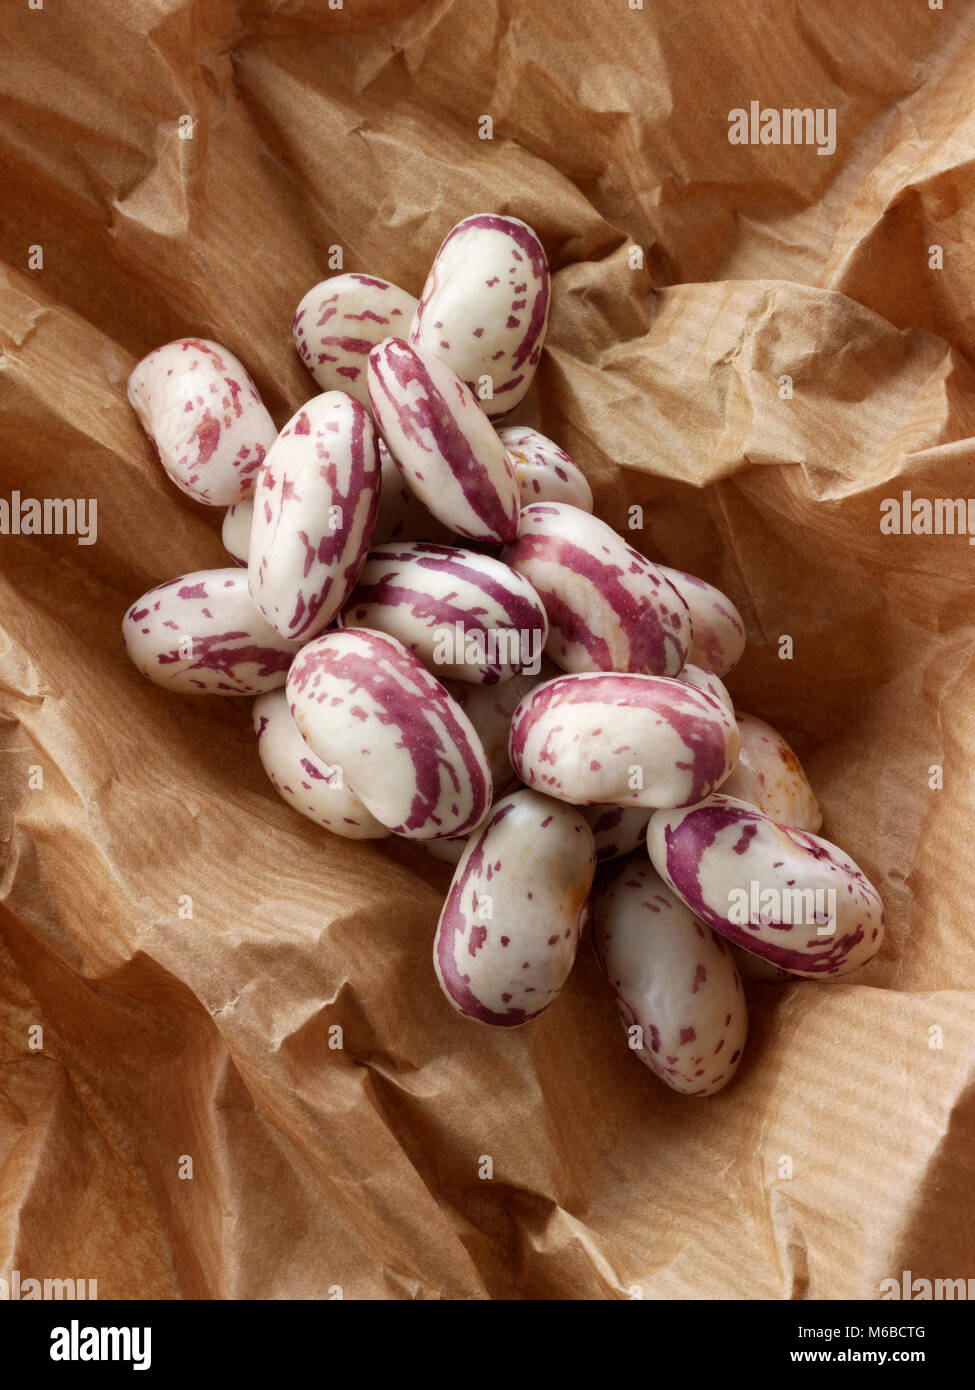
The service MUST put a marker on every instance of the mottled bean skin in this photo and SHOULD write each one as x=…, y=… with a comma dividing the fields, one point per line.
x=617, y=830
x=718, y=642
x=446, y=449
x=673, y=979
x=581, y=737
x=418, y=591
x=545, y=472
x=340, y=321
x=314, y=510
x=754, y=970
x=722, y=855
x=490, y=709
x=609, y=609
x=200, y=408
x=201, y=634
x=484, y=308
x=407, y=750
x=402, y=516
x=304, y=781
x=709, y=684
x=236, y=531
x=509, y=930
x=770, y=776
x=450, y=850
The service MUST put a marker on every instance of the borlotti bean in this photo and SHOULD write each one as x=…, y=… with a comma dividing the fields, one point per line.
x=770, y=776
x=445, y=447
x=200, y=408
x=450, y=850
x=622, y=739
x=340, y=321
x=484, y=308
x=609, y=608
x=314, y=510
x=466, y=616
x=236, y=531
x=509, y=930
x=401, y=515
x=678, y=993
x=201, y=634
x=787, y=895
x=617, y=830
x=753, y=969
x=711, y=685
x=545, y=472
x=719, y=632
x=490, y=708
x=304, y=781
x=408, y=751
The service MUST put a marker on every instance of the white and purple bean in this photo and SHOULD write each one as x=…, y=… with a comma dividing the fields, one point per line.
x=709, y=684
x=490, y=709
x=719, y=631
x=754, y=970
x=304, y=781
x=770, y=776
x=622, y=739
x=789, y=896
x=445, y=447
x=200, y=408
x=678, y=993
x=236, y=531
x=406, y=749
x=509, y=930
x=484, y=308
x=468, y=617
x=200, y=634
x=545, y=472
x=617, y=830
x=340, y=321
x=314, y=510
x=609, y=608
x=401, y=515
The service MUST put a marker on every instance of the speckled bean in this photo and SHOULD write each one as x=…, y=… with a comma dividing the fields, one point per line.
x=509, y=930
x=545, y=472
x=678, y=993
x=754, y=970
x=609, y=609
x=589, y=738
x=769, y=775
x=200, y=408
x=445, y=447
x=617, y=830
x=302, y=779
x=236, y=531
x=490, y=709
x=719, y=633
x=407, y=750
x=466, y=616
x=314, y=510
x=484, y=308
x=201, y=634
x=341, y=320
x=401, y=515
x=709, y=684
x=784, y=894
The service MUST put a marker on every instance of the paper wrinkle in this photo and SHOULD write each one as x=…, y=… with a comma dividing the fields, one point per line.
x=209, y=1036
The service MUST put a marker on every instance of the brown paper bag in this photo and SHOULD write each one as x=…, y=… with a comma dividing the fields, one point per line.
x=756, y=344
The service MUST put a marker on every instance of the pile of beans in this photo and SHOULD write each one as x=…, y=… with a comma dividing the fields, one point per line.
x=446, y=644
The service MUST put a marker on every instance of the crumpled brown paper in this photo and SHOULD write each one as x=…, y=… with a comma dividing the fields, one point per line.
x=843, y=1153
